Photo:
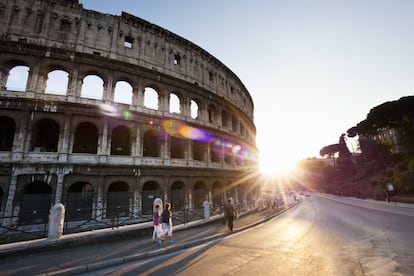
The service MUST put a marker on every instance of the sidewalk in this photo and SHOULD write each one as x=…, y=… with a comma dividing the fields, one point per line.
x=86, y=252
x=381, y=205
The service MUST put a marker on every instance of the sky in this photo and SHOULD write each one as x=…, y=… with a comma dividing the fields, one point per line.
x=313, y=68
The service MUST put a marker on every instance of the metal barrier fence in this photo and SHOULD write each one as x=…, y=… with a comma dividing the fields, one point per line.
x=27, y=231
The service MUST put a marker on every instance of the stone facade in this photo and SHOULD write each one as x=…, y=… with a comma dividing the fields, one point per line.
x=138, y=113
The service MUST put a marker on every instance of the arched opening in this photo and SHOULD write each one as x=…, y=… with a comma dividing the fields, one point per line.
x=79, y=201
x=199, y=151
x=117, y=204
x=45, y=136
x=151, y=145
x=121, y=141
x=211, y=113
x=123, y=92
x=224, y=118
x=35, y=203
x=215, y=150
x=151, y=98
x=217, y=194
x=234, y=123
x=178, y=195
x=150, y=191
x=57, y=82
x=92, y=87
x=17, y=79
x=86, y=138
x=228, y=152
x=7, y=130
x=174, y=103
x=200, y=194
x=177, y=147
x=194, y=109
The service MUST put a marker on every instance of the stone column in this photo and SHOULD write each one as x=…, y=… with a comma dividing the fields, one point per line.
x=73, y=85
x=139, y=95
x=108, y=95
x=59, y=186
x=103, y=143
x=99, y=199
x=64, y=140
x=19, y=139
x=3, y=77
x=8, y=211
x=33, y=79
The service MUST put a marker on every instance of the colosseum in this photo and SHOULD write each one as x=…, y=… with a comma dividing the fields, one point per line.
x=103, y=113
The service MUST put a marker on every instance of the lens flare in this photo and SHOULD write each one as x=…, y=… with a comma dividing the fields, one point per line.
x=127, y=115
x=179, y=129
x=110, y=110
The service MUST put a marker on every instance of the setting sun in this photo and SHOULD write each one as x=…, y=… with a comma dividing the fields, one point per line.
x=271, y=166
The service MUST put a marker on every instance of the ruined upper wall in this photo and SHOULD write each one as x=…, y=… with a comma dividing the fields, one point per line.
x=64, y=24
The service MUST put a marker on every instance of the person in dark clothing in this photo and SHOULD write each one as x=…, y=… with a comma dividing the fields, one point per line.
x=167, y=225
x=229, y=213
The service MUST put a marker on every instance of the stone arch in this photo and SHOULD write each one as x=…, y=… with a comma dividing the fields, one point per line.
x=211, y=111
x=178, y=195
x=194, y=109
x=117, y=200
x=45, y=135
x=18, y=77
x=199, y=151
x=151, y=98
x=123, y=92
x=86, y=138
x=57, y=82
x=177, y=147
x=35, y=203
x=151, y=144
x=200, y=194
x=7, y=132
x=92, y=87
x=121, y=141
x=175, y=103
x=215, y=150
x=224, y=118
x=217, y=193
x=150, y=191
x=79, y=201
x=234, y=123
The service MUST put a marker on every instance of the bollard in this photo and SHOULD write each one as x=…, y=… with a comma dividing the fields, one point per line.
x=56, y=220
x=206, y=206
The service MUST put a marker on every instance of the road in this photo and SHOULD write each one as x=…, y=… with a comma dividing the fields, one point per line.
x=320, y=236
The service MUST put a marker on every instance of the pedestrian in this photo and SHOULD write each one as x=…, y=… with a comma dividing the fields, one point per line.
x=229, y=213
x=167, y=225
x=156, y=234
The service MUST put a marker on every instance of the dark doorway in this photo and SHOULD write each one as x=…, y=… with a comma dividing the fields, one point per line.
x=35, y=203
x=150, y=191
x=7, y=130
x=200, y=194
x=178, y=195
x=79, y=201
x=118, y=200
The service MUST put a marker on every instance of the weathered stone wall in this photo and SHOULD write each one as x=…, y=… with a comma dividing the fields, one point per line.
x=67, y=26
x=46, y=35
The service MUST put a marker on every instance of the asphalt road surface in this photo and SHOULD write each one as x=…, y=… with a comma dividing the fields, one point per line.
x=321, y=236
